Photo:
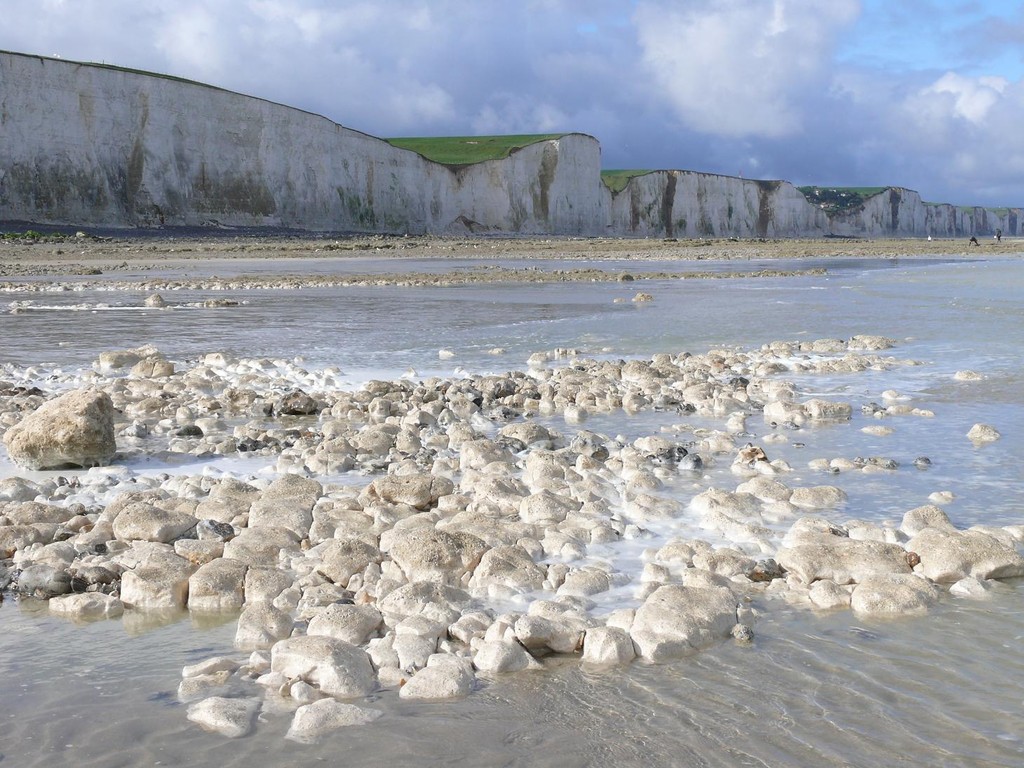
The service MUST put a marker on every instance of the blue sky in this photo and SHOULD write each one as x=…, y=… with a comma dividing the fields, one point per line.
x=926, y=94
x=976, y=38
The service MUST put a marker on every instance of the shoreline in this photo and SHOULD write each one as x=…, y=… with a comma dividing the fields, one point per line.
x=418, y=537
x=89, y=255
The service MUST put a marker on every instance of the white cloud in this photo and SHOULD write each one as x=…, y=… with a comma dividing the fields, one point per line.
x=969, y=98
x=190, y=42
x=737, y=67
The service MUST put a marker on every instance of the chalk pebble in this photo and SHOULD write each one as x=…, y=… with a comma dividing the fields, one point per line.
x=983, y=433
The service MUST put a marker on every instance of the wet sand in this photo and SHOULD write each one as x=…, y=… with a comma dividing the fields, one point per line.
x=86, y=255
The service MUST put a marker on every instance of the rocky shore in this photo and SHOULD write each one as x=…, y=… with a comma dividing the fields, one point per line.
x=419, y=538
x=86, y=254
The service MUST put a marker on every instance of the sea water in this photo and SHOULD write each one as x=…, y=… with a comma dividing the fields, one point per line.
x=813, y=689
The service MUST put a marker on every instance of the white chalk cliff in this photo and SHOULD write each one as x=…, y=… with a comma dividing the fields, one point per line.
x=88, y=144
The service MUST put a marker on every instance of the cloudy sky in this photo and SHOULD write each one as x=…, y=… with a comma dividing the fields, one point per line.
x=926, y=94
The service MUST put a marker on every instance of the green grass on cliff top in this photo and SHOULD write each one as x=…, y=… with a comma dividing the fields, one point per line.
x=616, y=180
x=465, y=150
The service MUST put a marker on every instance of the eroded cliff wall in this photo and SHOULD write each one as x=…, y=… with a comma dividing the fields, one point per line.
x=87, y=144
x=690, y=204
x=899, y=212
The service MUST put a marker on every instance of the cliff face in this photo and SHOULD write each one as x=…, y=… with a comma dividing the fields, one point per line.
x=86, y=144
x=901, y=212
x=93, y=145
x=689, y=204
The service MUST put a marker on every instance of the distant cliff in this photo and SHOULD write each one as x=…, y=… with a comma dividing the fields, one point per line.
x=87, y=144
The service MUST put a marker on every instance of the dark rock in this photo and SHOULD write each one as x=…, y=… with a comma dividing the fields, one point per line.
x=43, y=581
x=297, y=403
x=766, y=570
x=212, y=529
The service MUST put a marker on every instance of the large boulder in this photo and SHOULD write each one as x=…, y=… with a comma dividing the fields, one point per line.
x=261, y=625
x=228, y=717
x=142, y=521
x=676, y=619
x=86, y=606
x=437, y=602
x=510, y=567
x=949, y=556
x=842, y=560
x=287, y=504
x=218, y=585
x=321, y=717
x=351, y=623
x=928, y=516
x=502, y=656
x=905, y=594
x=608, y=646
x=261, y=547
x=444, y=677
x=337, y=668
x=73, y=430
x=158, y=582
x=341, y=559
x=429, y=554
x=419, y=491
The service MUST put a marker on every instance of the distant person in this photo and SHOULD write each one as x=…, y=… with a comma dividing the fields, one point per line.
x=973, y=241
x=999, y=235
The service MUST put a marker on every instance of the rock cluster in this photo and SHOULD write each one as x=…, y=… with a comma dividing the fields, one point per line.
x=467, y=554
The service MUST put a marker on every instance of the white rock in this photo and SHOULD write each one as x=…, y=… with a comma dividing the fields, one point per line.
x=842, y=560
x=828, y=595
x=75, y=429
x=983, y=433
x=232, y=718
x=210, y=666
x=260, y=625
x=676, y=619
x=608, y=646
x=893, y=594
x=341, y=559
x=337, y=668
x=156, y=586
x=429, y=554
x=439, y=602
x=967, y=375
x=971, y=587
x=502, y=656
x=928, y=516
x=949, y=556
x=86, y=606
x=420, y=490
x=202, y=686
x=217, y=586
x=508, y=566
x=444, y=677
x=560, y=634
x=140, y=521
x=354, y=624
x=817, y=497
x=287, y=503
x=321, y=717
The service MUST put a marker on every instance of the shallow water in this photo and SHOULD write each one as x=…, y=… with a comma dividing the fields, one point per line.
x=947, y=689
